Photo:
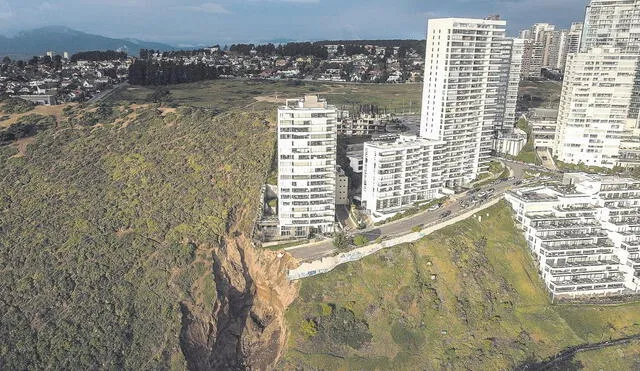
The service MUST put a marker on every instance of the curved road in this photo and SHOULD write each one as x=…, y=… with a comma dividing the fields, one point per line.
x=453, y=205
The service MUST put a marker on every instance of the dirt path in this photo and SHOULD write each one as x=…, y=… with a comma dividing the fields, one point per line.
x=570, y=352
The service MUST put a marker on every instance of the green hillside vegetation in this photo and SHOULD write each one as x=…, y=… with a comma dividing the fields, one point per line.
x=621, y=357
x=15, y=105
x=528, y=153
x=107, y=221
x=465, y=297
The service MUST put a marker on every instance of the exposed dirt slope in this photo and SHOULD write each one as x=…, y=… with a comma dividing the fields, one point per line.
x=246, y=329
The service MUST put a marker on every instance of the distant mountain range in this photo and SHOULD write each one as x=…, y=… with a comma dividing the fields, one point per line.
x=60, y=39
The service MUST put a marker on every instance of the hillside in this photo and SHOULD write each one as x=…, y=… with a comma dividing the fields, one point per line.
x=465, y=297
x=59, y=39
x=124, y=234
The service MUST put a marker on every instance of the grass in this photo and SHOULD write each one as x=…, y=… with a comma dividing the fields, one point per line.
x=224, y=94
x=539, y=94
x=468, y=296
x=621, y=357
x=528, y=153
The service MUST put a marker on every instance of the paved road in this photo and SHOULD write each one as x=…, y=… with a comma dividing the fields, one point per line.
x=98, y=97
x=453, y=207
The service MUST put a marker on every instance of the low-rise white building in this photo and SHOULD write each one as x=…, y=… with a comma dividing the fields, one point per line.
x=583, y=233
x=398, y=174
x=543, y=127
x=510, y=142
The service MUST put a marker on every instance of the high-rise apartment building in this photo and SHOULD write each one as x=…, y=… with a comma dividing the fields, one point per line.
x=612, y=23
x=515, y=48
x=594, y=106
x=464, y=93
x=598, y=116
x=307, y=135
x=538, y=31
x=531, y=60
x=398, y=174
x=574, y=37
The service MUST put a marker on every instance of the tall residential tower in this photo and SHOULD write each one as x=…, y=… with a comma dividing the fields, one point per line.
x=466, y=81
x=307, y=135
x=598, y=117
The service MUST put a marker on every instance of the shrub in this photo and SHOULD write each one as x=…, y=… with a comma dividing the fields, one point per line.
x=340, y=241
x=360, y=240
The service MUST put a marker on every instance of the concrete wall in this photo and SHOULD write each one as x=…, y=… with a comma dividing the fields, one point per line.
x=327, y=264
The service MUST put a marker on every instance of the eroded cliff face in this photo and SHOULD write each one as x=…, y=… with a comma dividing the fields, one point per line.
x=246, y=328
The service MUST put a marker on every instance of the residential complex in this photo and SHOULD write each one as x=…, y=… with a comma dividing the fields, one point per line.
x=400, y=173
x=466, y=81
x=584, y=234
x=307, y=136
x=598, y=114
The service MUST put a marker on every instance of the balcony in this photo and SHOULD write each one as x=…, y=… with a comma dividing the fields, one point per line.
x=584, y=263
x=574, y=235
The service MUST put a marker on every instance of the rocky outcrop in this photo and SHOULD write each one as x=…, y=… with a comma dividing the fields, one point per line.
x=246, y=328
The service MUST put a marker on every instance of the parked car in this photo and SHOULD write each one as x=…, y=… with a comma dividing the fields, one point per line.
x=445, y=214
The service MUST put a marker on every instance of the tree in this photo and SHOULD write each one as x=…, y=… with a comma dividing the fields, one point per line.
x=6, y=60
x=340, y=241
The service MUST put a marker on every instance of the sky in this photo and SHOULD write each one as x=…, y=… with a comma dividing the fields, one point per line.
x=204, y=22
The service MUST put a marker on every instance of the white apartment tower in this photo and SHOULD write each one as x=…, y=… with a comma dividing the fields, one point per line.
x=601, y=89
x=307, y=135
x=463, y=99
x=594, y=107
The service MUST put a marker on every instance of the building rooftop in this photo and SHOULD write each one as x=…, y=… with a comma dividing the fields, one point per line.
x=308, y=102
x=403, y=142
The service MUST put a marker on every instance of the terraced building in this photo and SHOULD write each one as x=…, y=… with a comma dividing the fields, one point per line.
x=583, y=233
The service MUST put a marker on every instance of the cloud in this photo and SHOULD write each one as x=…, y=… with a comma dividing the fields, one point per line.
x=46, y=6
x=288, y=1
x=5, y=10
x=212, y=8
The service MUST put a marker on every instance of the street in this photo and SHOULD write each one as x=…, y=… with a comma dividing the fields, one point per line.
x=453, y=207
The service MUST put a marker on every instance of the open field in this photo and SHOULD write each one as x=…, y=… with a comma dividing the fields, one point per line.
x=539, y=94
x=466, y=297
x=223, y=94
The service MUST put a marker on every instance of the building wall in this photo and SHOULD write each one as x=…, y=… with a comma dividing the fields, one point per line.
x=342, y=187
x=307, y=137
x=612, y=23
